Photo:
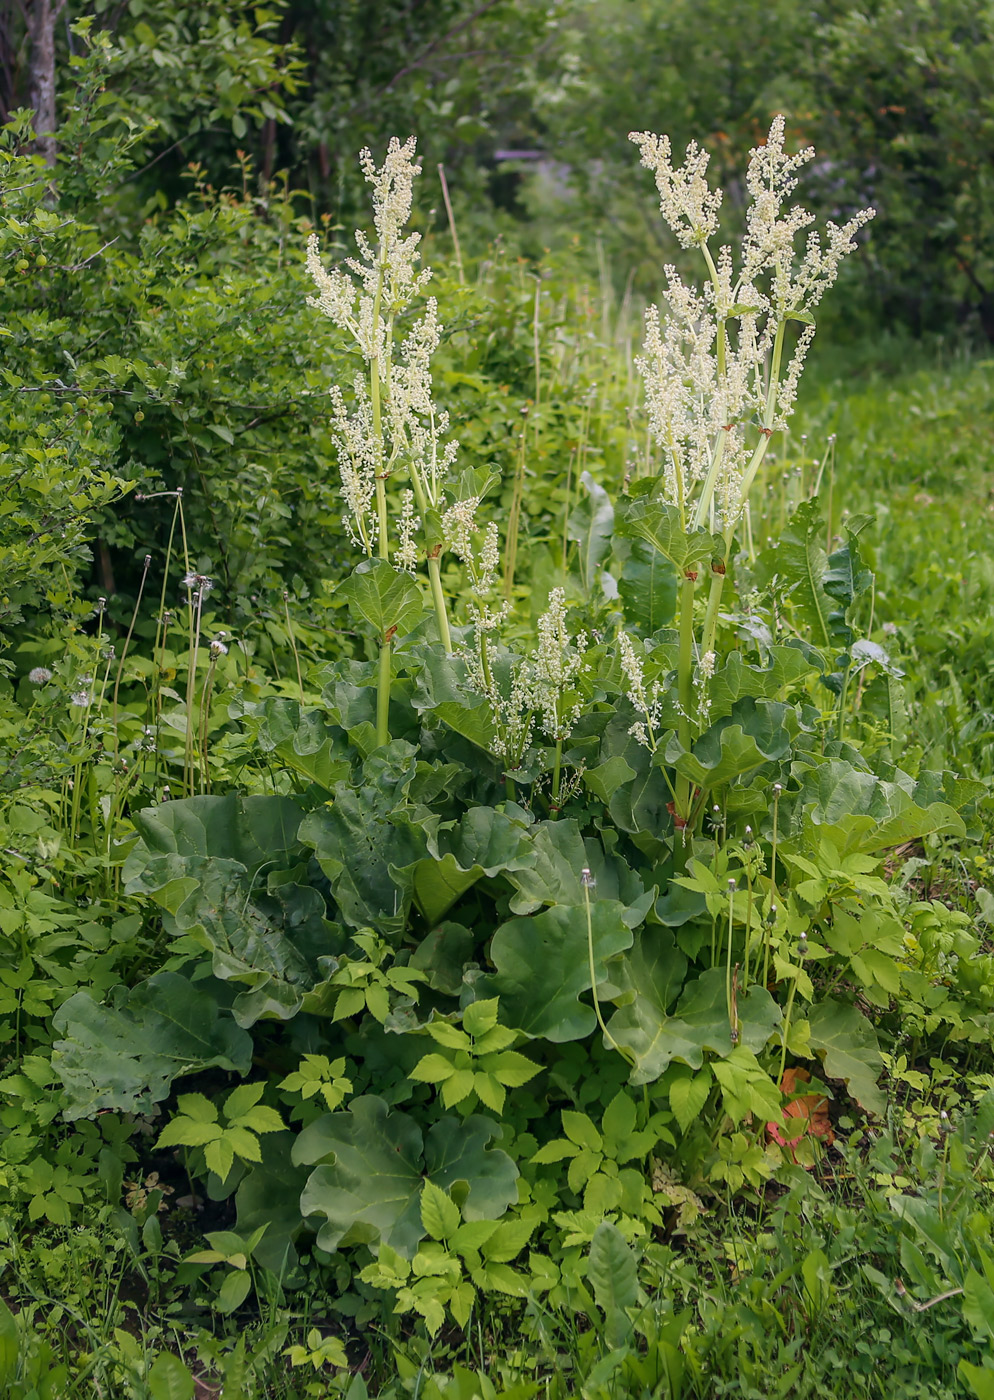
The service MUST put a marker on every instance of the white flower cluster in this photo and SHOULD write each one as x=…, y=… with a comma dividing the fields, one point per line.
x=460, y=529
x=686, y=201
x=540, y=688
x=406, y=554
x=392, y=420
x=556, y=666
x=648, y=703
x=713, y=364
x=703, y=672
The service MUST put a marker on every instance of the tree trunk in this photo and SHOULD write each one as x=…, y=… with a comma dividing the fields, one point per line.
x=41, y=16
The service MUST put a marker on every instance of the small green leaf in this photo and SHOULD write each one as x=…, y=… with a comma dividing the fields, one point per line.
x=512, y=1068
x=439, y=1212
x=688, y=1095
x=233, y=1292
x=168, y=1379
x=240, y=1100
x=432, y=1069
x=579, y=1129
x=619, y=1119
x=480, y=1016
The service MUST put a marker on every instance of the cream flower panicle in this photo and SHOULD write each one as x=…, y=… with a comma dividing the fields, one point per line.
x=557, y=663
x=717, y=365
x=686, y=201
x=398, y=426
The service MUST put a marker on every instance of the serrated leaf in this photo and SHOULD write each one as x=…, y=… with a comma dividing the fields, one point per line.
x=349, y=1002
x=220, y=1157
x=508, y=1240
x=240, y=1100
x=688, y=1095
x=452, y=1037
x=579, y=1129
x=497, y=1039
x=619, y=1119
x=555, y=1151
x=262, y=1119
x=243, y=1143
x=195, y=1106
x=512, y=1068
x=489, y=1090
x=501, y=1278
x=439, y=1212
x=457, y=1087
x=479, y=1016
x=473, y=1234
x=432, y=1069
x=185, y=1132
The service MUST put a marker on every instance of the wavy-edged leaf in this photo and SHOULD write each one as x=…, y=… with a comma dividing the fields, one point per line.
x=543, y=967
x=387, y=598
x=847, y=1045
x=658, y=523
x=648, y=586
x=369, y=1190
x=124, y=1053
x=590, y=524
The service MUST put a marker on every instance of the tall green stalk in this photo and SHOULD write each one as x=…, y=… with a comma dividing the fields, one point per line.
x=383, y=532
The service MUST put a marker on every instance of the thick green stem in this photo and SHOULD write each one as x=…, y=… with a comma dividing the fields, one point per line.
x=557, y=780
x=438, y=598
x=374, y=401
x=685, y=690
x=711, y=615
x=685, y=662
x=383, y=695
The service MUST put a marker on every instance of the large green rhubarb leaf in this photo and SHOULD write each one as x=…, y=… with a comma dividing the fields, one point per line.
x=374, y=1163
x=543, y=967
x=125, y=1053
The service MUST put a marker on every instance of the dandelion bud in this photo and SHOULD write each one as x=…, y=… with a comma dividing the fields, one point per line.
x=587, y=880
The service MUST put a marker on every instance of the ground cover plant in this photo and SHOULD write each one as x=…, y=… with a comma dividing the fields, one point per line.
x=552, y=978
